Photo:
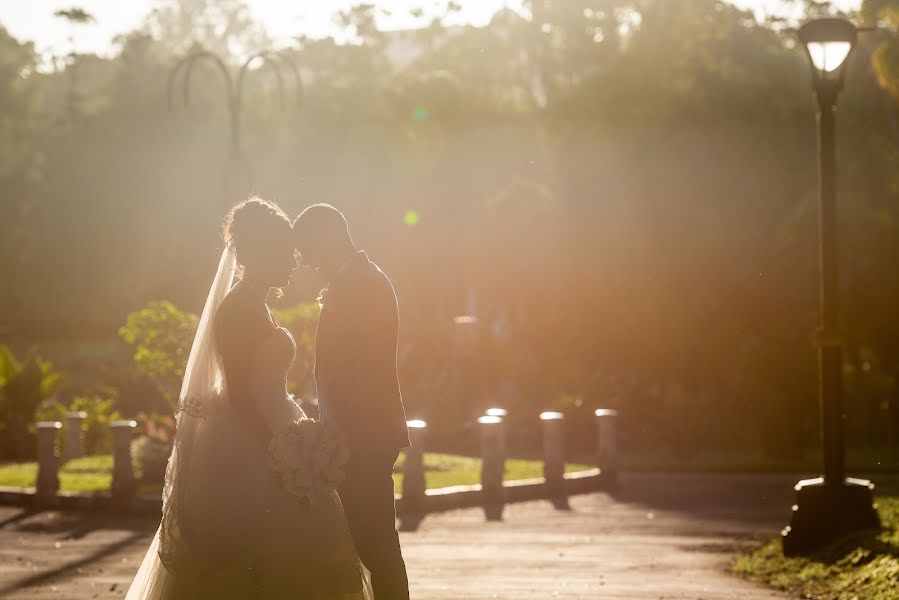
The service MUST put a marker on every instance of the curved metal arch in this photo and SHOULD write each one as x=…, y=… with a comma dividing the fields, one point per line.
x=186, y=64
x=223, y=68
x=270, y=59
x=297, y=77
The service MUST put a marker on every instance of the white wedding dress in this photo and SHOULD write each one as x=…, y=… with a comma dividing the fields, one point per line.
x=228, y=528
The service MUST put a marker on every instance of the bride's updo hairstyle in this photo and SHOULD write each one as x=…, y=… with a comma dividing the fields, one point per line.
x=261, y=235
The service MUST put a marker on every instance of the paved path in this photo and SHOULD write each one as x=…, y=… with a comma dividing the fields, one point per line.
x=660, y=536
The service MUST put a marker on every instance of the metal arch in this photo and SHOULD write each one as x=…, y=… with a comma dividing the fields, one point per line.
x=297, y=77
x=233, y=93
x=269, y=59
x=186, y=65
x=189, y=62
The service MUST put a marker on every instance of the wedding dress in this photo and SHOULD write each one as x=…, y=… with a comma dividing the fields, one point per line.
x=229, y=529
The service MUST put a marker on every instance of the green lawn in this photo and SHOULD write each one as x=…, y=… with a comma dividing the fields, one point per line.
x=864, y=567
x=94, y=473
x=444, y=470
x=89, y=474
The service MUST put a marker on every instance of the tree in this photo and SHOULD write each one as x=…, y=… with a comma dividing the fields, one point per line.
x=76, y=17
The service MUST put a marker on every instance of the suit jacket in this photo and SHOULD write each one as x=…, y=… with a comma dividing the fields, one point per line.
x=355, y=358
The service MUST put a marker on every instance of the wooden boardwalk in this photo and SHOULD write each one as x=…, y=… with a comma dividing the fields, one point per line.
x=660, y=536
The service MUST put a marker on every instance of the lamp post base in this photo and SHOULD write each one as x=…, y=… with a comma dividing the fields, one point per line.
x=824, y=513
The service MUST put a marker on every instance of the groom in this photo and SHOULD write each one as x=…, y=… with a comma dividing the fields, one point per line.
x=358, y=389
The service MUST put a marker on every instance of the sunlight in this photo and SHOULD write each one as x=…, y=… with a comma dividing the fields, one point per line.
x=489, y=420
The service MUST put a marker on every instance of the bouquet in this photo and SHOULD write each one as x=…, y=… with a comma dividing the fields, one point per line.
x=310, y=457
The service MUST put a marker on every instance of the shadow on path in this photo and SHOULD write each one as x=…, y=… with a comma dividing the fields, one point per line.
x=68, y=568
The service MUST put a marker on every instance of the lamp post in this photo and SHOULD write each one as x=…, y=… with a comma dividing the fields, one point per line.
x=234, y=93
x=833, y=505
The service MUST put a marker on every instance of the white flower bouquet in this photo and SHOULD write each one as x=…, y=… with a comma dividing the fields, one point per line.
x=310, y=457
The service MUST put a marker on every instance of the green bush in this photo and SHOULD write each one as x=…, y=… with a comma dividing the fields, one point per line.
x=301, y=320
x=23, y=387
x=100, y=413
x=161, y=335
x=150, y=456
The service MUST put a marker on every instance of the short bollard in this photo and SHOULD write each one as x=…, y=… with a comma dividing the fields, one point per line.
x=492, y=467
x=123, y=481
x=75, y=434
x=553, y=454
x=414, y=469
x=606, y=446
x=465, y=336
x=47, y=460
x=501, y=413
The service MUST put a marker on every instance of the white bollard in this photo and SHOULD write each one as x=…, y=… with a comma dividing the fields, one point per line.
x=501, y=413
x=553, y=453
x=492, y=466
x=75, y=434
x=465, y=336
x=123, y=481
x=606, y=445
x=414, y=485
x=47, y=460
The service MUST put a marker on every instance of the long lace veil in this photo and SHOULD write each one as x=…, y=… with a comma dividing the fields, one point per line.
x=201, y=388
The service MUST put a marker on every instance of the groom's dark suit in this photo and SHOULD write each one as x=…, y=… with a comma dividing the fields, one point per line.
x=358, y=389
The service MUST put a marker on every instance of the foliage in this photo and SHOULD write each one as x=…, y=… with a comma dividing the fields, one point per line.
x=150, y=452
x=23, y=387
x=864, y=566
x=95, y=427
x=622, y=191
x=301, y=320
x=161, y=335
x=886, y=54
x=150, y=456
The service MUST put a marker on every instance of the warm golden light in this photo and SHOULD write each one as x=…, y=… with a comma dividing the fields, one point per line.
x=416, y=424
x=828, y=56
x=551, y=416
x=487, y=420
x=496, y=412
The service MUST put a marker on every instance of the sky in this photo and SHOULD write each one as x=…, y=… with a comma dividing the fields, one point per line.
x=33, y=19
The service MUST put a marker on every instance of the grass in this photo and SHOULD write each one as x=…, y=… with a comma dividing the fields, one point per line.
x=444, y=470
x=863, y=567
x=88, y=474
x=94, y=473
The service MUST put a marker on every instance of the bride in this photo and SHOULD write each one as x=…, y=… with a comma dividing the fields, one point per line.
x=230, y=528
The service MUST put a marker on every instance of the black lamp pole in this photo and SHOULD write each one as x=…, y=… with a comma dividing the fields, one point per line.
x=831, y=506
x=830, y=348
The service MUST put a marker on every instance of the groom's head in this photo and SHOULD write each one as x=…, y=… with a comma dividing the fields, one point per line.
x=323, y=238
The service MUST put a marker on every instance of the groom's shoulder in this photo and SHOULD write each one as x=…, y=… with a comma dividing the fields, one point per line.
x=370, y=283
x=376, y=280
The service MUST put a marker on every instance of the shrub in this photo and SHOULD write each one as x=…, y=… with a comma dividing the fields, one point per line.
x=100, y=413
x=161, y=335
x=150, y=456
x=301, y=320
x=23, y=387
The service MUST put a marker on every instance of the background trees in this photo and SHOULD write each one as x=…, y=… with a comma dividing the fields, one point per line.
x=621, y=190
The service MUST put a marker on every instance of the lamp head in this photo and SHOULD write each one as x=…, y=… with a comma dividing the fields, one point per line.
x=828, y=43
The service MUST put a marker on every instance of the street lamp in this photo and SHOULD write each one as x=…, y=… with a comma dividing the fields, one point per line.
x=834, y=505
x=234, y=93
